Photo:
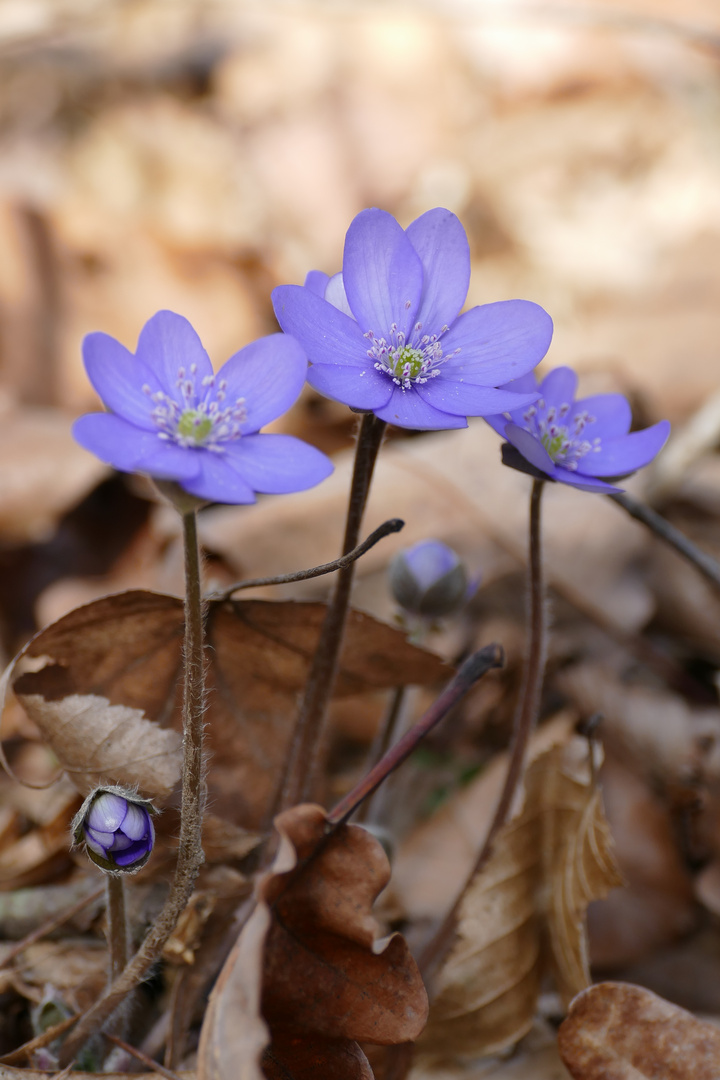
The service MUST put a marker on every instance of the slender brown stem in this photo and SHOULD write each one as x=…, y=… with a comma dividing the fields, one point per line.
x=674, y=538
x=117, y=928
x=302, y=763
x=386, y=529
x=143, y=1058
x=386, y=735
x=190, y=853
x=473, y=669
x=525, y=720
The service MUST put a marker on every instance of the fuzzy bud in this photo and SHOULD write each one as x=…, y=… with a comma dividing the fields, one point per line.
x=428, y=579
x=116, y=828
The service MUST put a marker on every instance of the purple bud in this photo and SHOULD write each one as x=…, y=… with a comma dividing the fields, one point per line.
x=116, y=828
x=428, y=579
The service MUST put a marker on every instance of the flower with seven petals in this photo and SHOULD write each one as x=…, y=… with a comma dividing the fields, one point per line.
x=385, y=336
x=578, y=442
x=171, y=416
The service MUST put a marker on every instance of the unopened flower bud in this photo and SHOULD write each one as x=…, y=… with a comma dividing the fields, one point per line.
x=428, y=579
x=116, y=828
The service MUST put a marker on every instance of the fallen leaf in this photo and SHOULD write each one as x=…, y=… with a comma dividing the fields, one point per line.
x=524, y=913
x=312, y=945
x=106, y=696
x=617, y=1031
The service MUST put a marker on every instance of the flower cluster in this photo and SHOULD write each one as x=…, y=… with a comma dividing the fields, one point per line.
x=116, y=828
x=171, y=416
x=385, y=335
x=583, y=443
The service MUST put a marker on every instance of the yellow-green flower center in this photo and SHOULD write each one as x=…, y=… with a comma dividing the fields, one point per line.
x=407, y=362
x=554, y=443
x=194, y=425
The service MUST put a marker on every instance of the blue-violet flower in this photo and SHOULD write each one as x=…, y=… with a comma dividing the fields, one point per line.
x=578, y=442
x=173, y=417
x=385, y=336
x=428, y=579
x=116, y=828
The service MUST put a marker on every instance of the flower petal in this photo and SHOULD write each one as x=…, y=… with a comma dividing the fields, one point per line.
x=268, y=376
x=468, y=399
x=363, y=388
x=585, y=483
x=130, y=449
x=96, y=841
x=278, y=464
x=119, y=377
x=218, y=481
x=611, y=412
x=135, y=825
x=440, y=241
x=382, y=272
x=167, y=343
x=107, y=812
x=327, y=335
x=137, y=851
x=497, y=342
x=407, y=409
x=316, y=282
x=530, y=448
x=335, y=294
x=618, y=457
x=559, y=387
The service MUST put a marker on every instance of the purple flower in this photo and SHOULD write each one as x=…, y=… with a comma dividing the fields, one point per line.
x=117, y=830
x=171, y=416
x=429, y=579
x=385, y=336
x=577, y=442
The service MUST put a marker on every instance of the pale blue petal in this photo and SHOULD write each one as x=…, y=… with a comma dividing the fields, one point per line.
x=382, y=273
x=107, y=813
x=267, y=375
x=585, y=483
x=119, y=377
x=360, y=387
x=468, y=399
x=611, y=412
x=530, y=448
x=440, y=241
x=497, y=342
x=335, y=294
x=218, y=481
x=130, y=449
x=327, y=335
x=407, y=409
x=618, y=457
x=316, y=282
x=558, y=387
x=168, y=343
x=135, y=825
x=278, y=464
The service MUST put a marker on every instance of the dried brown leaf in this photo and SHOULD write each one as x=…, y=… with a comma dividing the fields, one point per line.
x=106, y=695
x=311, y=944
x=524, y=913
x=617, y=1031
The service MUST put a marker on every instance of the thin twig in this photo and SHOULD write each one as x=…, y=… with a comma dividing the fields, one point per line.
x=143, y=1058
x=40, y=1041
x=386, y=529
x=674, y=538
x=302, y=763
x=190, y=853
x=383, y=740
x=51, y=924
x=473, y=669
x=525, y=720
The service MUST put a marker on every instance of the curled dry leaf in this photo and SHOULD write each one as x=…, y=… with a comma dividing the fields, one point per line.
x=617, y=1031
x=309, y=959
x=106, y=696
x=524, y=913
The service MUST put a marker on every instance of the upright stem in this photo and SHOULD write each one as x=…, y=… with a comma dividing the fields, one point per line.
x=117, y=928
x=302, y=763
x=190, y=853
x=525, y=720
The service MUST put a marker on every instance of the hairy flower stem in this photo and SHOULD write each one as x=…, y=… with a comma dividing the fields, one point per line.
x=117, y=927
x=190, y=853
x=303, y=759
x=674, y=538
x=525, y=720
